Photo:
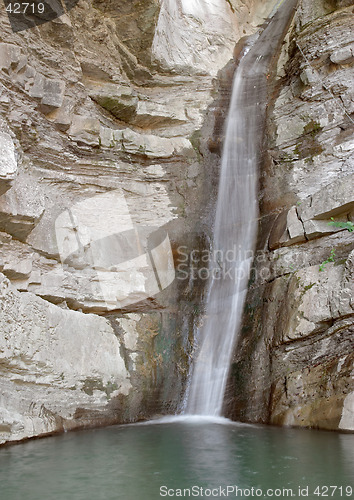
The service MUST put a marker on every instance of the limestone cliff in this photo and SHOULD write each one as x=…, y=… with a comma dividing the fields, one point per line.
x=294, y=361
x=110, y=130
x=102, y=180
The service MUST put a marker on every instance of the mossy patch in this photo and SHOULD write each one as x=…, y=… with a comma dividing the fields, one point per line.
x=309, y=147
x=312, y=128
x=92, y=384
x=195, y=139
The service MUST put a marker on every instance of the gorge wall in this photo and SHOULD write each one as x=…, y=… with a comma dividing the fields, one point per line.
x=294, y=362
x=110, y=133
x=102, y=159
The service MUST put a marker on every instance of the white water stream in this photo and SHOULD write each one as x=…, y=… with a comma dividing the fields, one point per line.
x=236, y=219
x=235, y=233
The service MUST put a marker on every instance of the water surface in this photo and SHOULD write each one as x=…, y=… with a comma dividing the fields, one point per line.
x=133, y=462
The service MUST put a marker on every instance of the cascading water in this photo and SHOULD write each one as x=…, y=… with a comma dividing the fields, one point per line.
x=236, y=218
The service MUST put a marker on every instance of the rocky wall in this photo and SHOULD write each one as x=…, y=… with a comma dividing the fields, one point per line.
x=104, y=173
x=294, y=361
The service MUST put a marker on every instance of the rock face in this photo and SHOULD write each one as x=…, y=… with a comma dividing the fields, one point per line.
x=102, y=182
x=188, y=48
x=56, y=366
x=8, y=163
x=294, y=361
x=110, y=131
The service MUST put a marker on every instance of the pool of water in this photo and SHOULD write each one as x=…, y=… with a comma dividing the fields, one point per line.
x=206, y=458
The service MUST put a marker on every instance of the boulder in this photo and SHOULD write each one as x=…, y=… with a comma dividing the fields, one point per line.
x=343, y=55
x=9, y=56
x=21, y=207
x=85, y=130
x=48, y=91
x=334, y=199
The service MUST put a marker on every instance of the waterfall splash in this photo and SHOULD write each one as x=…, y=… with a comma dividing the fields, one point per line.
x=236, y=218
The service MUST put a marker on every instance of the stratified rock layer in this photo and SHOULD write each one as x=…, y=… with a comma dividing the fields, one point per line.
x=294, y=361
x=99, y=105
x=59, y=368
x=102, y=180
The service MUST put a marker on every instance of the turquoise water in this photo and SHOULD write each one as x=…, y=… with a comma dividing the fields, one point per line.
x=133, y=462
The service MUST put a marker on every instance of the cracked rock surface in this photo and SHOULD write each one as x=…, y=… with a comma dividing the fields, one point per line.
x=294, y=361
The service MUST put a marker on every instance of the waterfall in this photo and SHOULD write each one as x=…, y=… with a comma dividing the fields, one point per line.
x=236, y=218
